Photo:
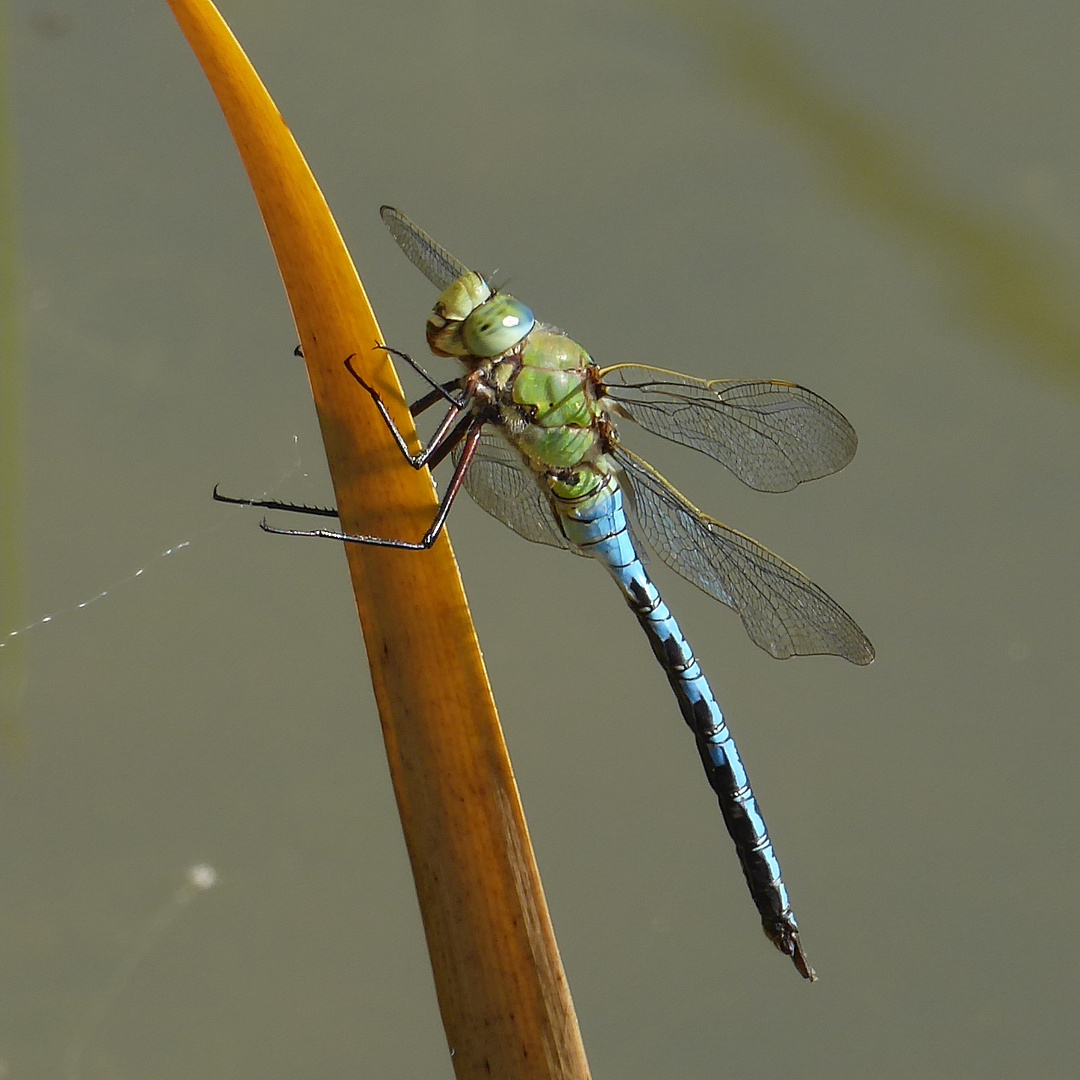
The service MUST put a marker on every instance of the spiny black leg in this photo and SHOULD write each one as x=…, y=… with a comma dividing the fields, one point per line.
x=438, y=394
x=440, y=390
x=274, y=504
x=450, y=442
x=456, y=481
x=417, y=461
x=418, y=368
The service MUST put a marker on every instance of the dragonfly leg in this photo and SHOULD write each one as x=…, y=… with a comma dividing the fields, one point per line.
x=442, y=389
x=438, y=394
x=456, y=481
x=451, y=441
x=417, y=461
x=274, y=504
x=436, y=452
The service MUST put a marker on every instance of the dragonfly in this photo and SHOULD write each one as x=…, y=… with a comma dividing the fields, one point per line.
x=532, y=429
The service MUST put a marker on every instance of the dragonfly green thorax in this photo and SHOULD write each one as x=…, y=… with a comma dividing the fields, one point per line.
x=470, y=319
x=548, y=405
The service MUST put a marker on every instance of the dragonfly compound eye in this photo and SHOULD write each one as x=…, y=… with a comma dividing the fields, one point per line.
x=497, y=326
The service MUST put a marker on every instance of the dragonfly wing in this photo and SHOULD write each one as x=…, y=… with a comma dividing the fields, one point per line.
x=500, y=482
x=782, y=610
x=431, y=259
x=772, y=435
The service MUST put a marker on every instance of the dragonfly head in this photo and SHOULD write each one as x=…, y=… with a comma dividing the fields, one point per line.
x=471, y=320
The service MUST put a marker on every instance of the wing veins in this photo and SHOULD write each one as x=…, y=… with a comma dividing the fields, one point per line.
x=772, y=435
x=782, y=610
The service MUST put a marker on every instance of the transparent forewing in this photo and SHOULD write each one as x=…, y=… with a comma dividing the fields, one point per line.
x=500, y=482
x=782, y=610
x=772, y=435
x=431, y=259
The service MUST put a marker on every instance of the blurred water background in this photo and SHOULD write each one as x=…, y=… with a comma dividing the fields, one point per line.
x=881, y=202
